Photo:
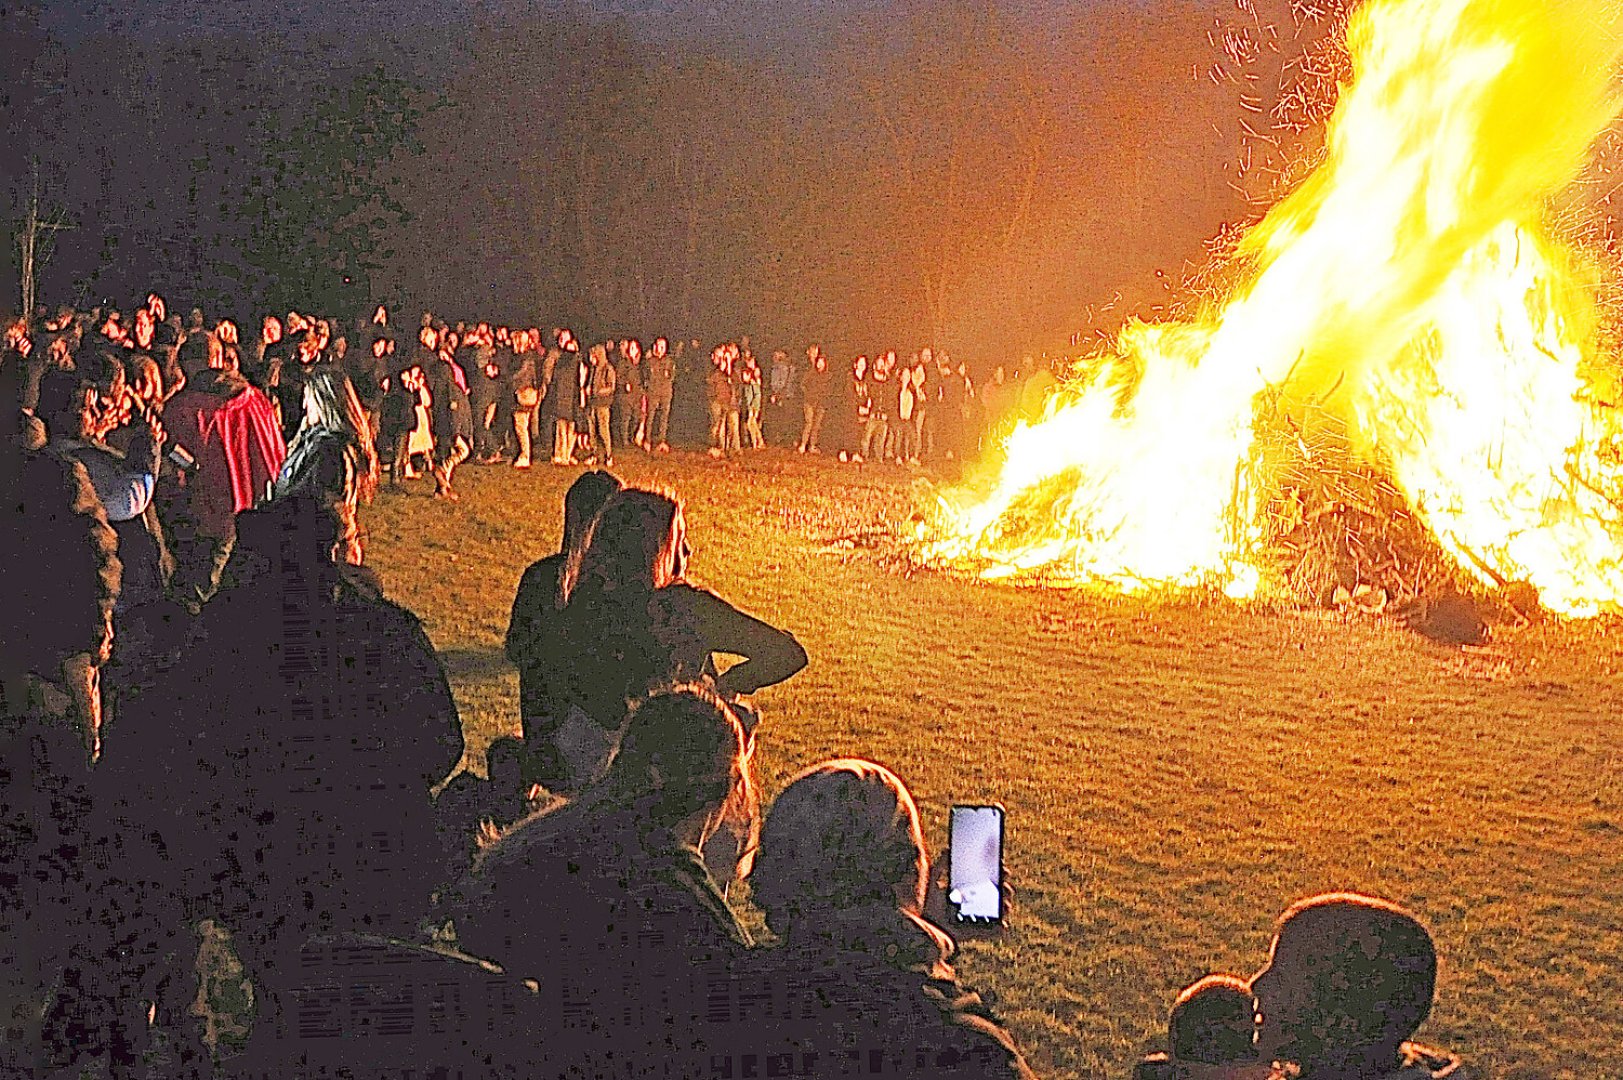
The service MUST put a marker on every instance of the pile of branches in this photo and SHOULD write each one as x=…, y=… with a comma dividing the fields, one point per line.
x=1334, y=530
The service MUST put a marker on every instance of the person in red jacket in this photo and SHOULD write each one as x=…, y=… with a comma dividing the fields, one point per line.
x=231, y=429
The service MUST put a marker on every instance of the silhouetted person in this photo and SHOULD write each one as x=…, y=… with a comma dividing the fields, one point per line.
x=630, y=621
x=366, y=1007
x=1349, y=980
x=59, y=577
x=1212, y=1032
x=470, y=806
x=534, y=608
x=277, y=779
x=606, y=902
x=860, y=977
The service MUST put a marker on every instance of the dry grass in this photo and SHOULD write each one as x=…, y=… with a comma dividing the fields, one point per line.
x=1175, y=771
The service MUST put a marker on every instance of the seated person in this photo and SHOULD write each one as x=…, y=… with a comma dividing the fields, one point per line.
x=1212, y=1030
x=535, y=604
x=860, y=979
x=469, y=806
x=604, y=900
x=1348, y=982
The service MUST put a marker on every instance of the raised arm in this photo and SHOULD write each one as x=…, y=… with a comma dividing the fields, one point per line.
x=770, y=655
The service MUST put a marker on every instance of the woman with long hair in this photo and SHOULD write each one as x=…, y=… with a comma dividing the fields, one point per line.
x=605, y=901
x=842, y=875
x=629, y=620
x=332, y=456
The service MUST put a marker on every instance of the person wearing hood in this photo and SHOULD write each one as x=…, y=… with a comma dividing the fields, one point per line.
x=1348, y=982
x=231, y=430
x=860, y=974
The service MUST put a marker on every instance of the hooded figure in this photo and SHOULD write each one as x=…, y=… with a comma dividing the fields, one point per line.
x=861, y=975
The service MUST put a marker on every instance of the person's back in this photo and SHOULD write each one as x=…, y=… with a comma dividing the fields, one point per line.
x=606, y=902
x=861, y=979
x=832, y=1010
x=290, y=755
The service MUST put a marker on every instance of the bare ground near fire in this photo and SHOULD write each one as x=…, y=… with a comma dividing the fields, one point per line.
x=1175, y=771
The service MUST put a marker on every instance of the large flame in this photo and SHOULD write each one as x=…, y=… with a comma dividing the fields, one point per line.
x=1410, y=285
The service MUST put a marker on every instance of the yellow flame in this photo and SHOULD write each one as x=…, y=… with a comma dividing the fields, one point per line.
x=1408, y=279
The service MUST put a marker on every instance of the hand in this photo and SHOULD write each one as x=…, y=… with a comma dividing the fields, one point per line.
x=939, y=909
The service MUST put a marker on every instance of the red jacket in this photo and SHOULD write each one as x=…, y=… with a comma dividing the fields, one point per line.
x=231, y=429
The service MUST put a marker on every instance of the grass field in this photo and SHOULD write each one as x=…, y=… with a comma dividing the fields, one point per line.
x=1175, y=772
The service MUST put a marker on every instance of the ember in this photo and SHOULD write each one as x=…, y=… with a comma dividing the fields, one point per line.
x=1405, y=314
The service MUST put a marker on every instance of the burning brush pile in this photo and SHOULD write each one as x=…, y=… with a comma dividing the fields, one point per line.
x=1395, y=403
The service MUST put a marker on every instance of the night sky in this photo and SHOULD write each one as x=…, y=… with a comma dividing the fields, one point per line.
x=791, y=25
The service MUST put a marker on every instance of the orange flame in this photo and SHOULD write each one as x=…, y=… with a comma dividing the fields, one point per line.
x=1409, y=284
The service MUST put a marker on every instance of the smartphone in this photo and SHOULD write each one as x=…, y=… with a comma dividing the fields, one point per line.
x=975, y=844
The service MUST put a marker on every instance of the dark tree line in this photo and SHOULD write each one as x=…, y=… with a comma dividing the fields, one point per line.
x=945, y=173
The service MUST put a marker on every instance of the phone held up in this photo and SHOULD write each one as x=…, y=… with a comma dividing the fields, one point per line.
x=975, y=881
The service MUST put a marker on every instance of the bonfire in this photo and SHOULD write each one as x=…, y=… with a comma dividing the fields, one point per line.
x=1394, y=399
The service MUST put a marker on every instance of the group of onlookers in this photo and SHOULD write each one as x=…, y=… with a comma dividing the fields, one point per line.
x=211, y=713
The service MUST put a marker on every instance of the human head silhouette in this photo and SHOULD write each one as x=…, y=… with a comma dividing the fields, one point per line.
x=1349, y=979
x=582, y=502
x=844, y=834
x=1213, y=1022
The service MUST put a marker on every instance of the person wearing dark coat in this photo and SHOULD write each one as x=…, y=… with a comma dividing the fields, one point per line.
x=278, y=778
x=860, y=978
x=534, y=607
x=59, y=575
x=452, y=419
x=605, y=901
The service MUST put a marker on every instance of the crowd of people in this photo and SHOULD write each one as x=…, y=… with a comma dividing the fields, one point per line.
x=212, y=712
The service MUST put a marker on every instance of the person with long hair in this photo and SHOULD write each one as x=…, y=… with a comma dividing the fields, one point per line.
x=605, y=900
x=842, y=875
x=629, y=620
x=534, y=607
x=332, y=456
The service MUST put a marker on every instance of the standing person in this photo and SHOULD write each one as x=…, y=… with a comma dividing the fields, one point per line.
x=231, y=430
x=535, y=606
x=367, y=368
x=333, y=459
x=781, y=394
x=923, y=407
x=489, y=389
x=397, y=420
x=602, y=388
x=526, y=393
x=906, y=414
x=452, y=419
x=566, y=396
x=814, y=387
x=719, y=395
x=856, y=410
x=881, y=395
x=661, y=388
x=80, y=408
x=749, y=404
x=628, y=394
x=290, y=379
x=734, y=369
